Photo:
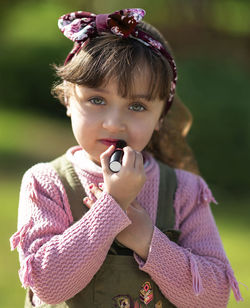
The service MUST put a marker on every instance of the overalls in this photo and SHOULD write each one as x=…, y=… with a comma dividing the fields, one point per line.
x=119, y=282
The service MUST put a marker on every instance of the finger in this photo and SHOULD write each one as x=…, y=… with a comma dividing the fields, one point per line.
x=95, y=190
x=136, y=205
x=133, y=209
x=105, y=157
x=101, y=186
x=139, y=161
x=128, y=157
x=130, y=210
x=88, y=202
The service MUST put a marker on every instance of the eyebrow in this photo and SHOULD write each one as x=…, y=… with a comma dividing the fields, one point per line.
x=99, y=90
x=143, y=96
x=132, y=96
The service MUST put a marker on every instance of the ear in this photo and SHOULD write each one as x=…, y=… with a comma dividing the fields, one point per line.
x=66, y=100
x=67, y=105
x=158, y=124
x=68, y=111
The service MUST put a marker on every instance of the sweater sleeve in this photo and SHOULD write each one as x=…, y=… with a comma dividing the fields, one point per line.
x=196, y=272
x=58, y=258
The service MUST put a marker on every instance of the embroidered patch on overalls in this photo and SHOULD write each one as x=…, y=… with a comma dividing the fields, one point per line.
x=137, y=305
x=123, y=301
x=158, y=304
x=146, y=293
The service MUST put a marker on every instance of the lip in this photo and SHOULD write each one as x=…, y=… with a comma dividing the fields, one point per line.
x=109, y=141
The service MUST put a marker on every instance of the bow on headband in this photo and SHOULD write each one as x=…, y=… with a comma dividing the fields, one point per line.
x=81, y=26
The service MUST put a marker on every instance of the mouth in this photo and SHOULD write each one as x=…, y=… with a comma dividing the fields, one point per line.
x=109, y=141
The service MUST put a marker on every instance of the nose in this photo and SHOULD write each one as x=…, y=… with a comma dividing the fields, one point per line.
x=114, y=121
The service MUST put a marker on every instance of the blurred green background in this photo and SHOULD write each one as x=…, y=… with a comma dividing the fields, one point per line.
x=211, y=43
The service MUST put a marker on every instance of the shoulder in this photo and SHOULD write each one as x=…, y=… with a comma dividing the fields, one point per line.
x=42, y=172
x=42, y=191
x=42, y=178
x=187, y=183
x=192, y=192
x=192, y=186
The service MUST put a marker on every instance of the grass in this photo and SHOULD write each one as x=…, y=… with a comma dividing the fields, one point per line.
x=24, y=140
x=11, y=293
x=232, y=218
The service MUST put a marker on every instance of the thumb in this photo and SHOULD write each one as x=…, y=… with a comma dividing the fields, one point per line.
x=136, y=204
x=134, y=207
x=104, y=158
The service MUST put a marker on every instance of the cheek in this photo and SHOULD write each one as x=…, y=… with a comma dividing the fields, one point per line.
x=141, y=134
x=82, y=126
x=77, y=125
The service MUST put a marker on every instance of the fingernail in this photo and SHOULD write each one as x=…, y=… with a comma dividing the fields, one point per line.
x=85, y=199
x=91, y=186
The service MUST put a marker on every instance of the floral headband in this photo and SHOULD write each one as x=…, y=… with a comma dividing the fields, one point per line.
x=81, y=26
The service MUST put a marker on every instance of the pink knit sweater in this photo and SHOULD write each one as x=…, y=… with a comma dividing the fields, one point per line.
x=58, y=258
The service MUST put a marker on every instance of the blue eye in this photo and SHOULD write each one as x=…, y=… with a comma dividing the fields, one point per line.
x=138, y=107
x=97, y=101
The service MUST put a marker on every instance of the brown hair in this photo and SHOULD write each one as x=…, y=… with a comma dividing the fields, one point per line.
x=109, y=56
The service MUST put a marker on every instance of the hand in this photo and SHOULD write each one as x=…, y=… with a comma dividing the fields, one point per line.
x=136, y=236
x=125, y=185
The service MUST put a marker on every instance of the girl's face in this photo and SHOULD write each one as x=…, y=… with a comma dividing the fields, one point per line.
x=100, y=116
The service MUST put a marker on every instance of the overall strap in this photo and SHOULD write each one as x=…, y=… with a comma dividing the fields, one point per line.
x=165, y=220
x=72, y=185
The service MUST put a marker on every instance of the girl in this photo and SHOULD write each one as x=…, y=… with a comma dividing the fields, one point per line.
x=141, y=237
